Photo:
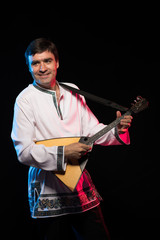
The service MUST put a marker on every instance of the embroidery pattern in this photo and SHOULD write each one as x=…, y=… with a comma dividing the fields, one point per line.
x=62, y=203
x=54, y=100
x=66, y=201
x=57, y=204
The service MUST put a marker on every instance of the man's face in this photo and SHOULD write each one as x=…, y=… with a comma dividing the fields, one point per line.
x=43, y=68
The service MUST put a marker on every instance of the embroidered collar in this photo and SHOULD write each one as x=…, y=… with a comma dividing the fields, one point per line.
x=52, y=92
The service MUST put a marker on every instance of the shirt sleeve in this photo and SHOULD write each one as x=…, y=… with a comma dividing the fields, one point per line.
x=91, y=126
x=23, y=136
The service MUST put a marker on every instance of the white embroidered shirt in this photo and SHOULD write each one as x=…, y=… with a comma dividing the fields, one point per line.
x=38, y=116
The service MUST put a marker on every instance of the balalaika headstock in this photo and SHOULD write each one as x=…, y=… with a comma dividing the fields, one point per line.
x=140, y=105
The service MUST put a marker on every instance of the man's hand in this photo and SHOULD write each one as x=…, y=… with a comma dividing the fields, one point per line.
x=75, y=151
x=124, y=124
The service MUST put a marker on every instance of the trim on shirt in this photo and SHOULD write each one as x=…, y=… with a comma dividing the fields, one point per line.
x=53, y=93
x=60, y=158
x=58, y=204
x=117, y=136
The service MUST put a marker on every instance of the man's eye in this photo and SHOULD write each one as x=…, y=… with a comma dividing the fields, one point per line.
x=48, y=61
x=35, y=63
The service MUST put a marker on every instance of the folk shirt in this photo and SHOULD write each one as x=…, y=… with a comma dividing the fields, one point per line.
x=38, y=116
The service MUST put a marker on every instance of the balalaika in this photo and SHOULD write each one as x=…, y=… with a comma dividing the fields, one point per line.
x=74, y=171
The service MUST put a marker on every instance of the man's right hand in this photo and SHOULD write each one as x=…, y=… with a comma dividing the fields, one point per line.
x=75, y=151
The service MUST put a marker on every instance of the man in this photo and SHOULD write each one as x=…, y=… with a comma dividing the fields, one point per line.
x=45, y=110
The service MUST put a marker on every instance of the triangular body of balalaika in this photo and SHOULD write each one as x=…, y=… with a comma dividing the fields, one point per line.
x=73, y=172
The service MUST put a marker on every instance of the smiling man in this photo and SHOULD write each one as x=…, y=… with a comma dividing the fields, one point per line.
x=45, y=110
x=43, y=67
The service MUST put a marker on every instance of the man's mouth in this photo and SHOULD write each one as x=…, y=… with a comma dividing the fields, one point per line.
x=43, y=75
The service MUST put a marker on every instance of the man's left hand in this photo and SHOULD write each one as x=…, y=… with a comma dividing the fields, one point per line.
x=124, y=124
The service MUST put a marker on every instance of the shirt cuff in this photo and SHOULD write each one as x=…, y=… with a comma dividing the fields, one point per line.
x=61, y=163
x=122, y=138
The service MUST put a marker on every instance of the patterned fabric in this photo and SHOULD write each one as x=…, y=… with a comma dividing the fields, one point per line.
x=63, y=203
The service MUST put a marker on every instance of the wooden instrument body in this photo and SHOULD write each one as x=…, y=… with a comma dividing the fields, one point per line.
x=73, y=172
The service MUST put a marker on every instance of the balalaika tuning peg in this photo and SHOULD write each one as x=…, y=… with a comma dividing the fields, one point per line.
x=138, y=98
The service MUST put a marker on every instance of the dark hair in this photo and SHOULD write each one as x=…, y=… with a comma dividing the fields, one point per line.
x=40, y=45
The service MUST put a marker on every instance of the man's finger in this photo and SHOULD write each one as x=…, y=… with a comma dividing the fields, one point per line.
x=118, y=113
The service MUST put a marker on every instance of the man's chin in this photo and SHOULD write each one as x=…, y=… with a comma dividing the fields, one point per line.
x=43, y=82
x=46, y=83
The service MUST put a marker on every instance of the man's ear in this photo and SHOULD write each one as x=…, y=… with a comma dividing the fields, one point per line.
x=57, y=64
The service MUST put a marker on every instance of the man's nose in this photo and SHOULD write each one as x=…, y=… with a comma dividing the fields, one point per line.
x=43, y=67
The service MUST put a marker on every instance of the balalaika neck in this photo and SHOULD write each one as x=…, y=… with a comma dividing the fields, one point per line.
x=95, y=137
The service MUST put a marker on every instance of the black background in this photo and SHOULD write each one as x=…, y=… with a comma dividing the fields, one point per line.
x=109, y=51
